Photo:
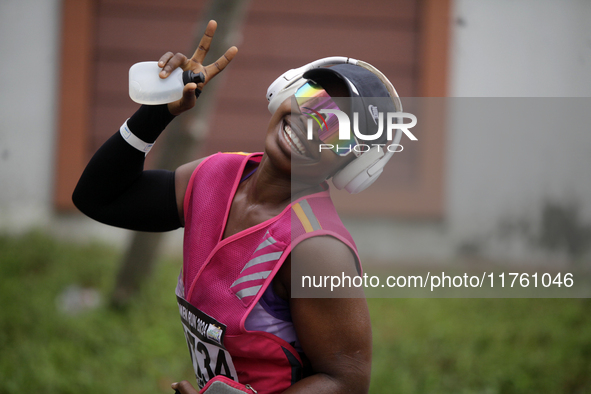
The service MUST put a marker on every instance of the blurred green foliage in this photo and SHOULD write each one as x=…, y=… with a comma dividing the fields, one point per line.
x=420, y=345
x=140, y=349
x=481, y=345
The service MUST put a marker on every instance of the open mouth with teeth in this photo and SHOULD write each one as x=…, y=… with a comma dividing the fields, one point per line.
x=293, y=140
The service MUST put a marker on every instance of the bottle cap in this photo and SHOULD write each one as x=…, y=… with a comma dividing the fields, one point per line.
x=189, y=76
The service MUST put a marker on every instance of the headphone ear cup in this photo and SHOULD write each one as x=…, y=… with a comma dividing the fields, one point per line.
x=361, y=172
x=362, y=182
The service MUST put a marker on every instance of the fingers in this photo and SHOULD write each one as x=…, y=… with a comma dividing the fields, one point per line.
x=164, y=59
x=214, y=68
x=205, y=42
x=186, y=102
x=168, y=62
x=189, y=98
x=184, y=387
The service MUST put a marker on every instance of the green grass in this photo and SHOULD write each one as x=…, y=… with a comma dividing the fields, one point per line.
x=481, y=345
x=420, y=345
x=139, y=350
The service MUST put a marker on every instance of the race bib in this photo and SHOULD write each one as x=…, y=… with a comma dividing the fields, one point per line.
x=205, y=339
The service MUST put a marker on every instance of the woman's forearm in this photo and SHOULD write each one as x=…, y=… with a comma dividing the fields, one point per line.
x=114, y=188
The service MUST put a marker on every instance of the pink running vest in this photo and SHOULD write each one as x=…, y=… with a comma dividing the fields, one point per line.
x=223, y=279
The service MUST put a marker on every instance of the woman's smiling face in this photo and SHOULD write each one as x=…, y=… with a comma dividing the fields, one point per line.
x=290, y=150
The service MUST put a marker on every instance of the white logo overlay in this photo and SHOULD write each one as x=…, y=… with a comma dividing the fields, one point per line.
x=394, y=121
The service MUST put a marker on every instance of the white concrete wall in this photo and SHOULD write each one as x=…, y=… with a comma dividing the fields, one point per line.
x=501, y=177
x=521, y=48
x=511, y=162
x=507, y=160
x=29, y=45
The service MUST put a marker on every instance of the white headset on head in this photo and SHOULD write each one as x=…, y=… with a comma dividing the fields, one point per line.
x=364, y=170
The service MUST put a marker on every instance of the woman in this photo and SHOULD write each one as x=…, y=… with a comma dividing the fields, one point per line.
x=245, y=217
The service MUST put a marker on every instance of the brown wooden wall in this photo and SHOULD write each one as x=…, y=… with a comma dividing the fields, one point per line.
x=393, y=35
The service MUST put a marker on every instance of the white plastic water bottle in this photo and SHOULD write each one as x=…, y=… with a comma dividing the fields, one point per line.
x=146, y=87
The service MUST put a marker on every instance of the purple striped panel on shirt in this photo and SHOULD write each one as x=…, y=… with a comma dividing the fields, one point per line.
x=257, y=269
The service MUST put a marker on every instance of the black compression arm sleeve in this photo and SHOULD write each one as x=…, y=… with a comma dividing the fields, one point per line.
x=114, y=188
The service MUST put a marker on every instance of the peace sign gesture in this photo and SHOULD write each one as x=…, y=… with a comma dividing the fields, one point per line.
x=169, y=61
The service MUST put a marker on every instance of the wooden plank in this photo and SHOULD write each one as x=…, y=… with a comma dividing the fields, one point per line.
x=78, y=21
x=159, y=4
x=434, y=48
x=333, y=9
x=309, y=44
x=152, y=10
x=125, y=33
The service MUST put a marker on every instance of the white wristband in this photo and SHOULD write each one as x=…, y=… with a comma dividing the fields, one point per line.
x=133, y=140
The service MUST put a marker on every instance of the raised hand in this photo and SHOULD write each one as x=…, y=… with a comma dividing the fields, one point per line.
x=169, y=61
